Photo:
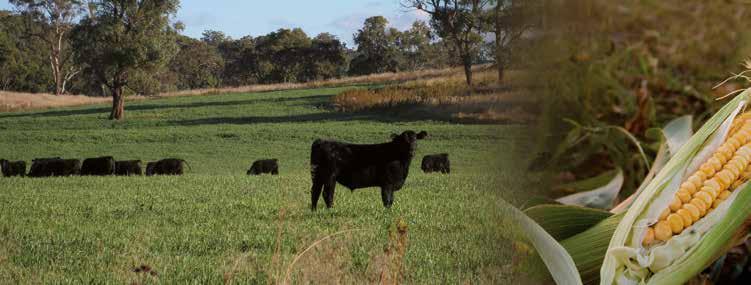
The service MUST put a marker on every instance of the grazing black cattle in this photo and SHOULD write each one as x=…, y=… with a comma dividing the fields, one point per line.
x=13, y=168
x=128, y=167
x=355, y=166
x=40, y=167
x=436, y=163
x=104, y=165
x=262, y=166
x=46, y=167
x=167, y=166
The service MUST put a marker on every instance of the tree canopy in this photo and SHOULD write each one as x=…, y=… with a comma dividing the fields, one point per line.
x=122, y=38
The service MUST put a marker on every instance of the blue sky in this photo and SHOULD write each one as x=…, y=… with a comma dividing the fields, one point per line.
x=238, y=18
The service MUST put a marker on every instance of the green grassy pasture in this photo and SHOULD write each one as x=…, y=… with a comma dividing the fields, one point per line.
x=215, y=224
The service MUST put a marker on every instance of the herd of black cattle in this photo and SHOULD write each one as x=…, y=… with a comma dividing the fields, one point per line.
x=101, y=166
x=384, y=165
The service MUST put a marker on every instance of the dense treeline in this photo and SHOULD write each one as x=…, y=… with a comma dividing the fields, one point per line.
x=115, y=48
x=216, y=60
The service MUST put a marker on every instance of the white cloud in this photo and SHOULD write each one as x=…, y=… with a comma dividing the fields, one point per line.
x=403, y=21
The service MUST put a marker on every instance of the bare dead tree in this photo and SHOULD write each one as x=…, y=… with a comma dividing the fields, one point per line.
x=50, y=21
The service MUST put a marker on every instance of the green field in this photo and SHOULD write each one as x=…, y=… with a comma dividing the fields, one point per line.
x=215, y=224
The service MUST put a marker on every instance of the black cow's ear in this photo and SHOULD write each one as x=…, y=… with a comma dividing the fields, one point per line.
x=422, y=135
x=393, y=136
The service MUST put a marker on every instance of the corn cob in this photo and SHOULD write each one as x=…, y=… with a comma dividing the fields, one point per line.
x=683, y=217
x=711, y=184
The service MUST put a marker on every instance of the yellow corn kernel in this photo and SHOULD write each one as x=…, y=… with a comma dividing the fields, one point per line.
x=686, y=216
x=713, y=192
x=705, y=197
x=676, y=223
x=693, y=210
x=734, y=141
x=712, y=186
x=649, y=237
x=739, y=161
x=725, y=150
x=675, y=204
x=724, y=177
x=699, y=204
x=724, y=195
x=734, y=169
x=689, y=187
x=714, y=163
x=683, y=195
x=716, y=203
x=701, y=175
x=707, y=169
x=696, y=180
x=663, y=231
x=743, y=135
x=723, y=157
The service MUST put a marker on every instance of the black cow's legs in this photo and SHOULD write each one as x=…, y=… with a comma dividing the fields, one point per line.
x=315, y=192
x=387, y=196
x=328, y=192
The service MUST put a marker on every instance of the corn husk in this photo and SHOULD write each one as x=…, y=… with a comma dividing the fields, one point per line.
x=692, y=252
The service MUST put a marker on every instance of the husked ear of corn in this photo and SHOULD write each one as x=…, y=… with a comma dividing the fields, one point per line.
x=687, y=201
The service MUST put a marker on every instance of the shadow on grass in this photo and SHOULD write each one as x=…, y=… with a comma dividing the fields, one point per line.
x=403, y=113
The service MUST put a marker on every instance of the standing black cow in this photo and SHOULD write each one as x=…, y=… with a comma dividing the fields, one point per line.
x=104, y=165
x=128, y=167
x=355, y=166
x=167, y=166
x=436, y=163
x=13, y=168
x=264, y=166
x=46, y=167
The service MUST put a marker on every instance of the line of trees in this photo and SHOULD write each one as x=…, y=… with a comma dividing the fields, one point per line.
x=114, y=48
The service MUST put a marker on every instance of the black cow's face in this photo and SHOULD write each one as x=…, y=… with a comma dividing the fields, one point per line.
x=150, y=168
x=408, y=140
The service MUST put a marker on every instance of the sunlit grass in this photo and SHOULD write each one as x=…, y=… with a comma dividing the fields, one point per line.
x=217, y=225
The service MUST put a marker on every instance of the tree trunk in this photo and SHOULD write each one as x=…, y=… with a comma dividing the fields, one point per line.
x=118, y=103
x=498, y=39
x=501, y=69
x=467, y=60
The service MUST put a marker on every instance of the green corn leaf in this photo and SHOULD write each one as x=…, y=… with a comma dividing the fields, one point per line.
x=562, y=221
x=588, y=248
x=600, y=198
x=559, y=263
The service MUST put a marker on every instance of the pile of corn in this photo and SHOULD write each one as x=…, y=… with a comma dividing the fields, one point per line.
x=709, y=186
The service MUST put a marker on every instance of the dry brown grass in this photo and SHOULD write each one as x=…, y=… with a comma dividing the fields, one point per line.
x=486, y=101
x=14, y=101
x=17, y=101
x=388, y=77
x=328, y=260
